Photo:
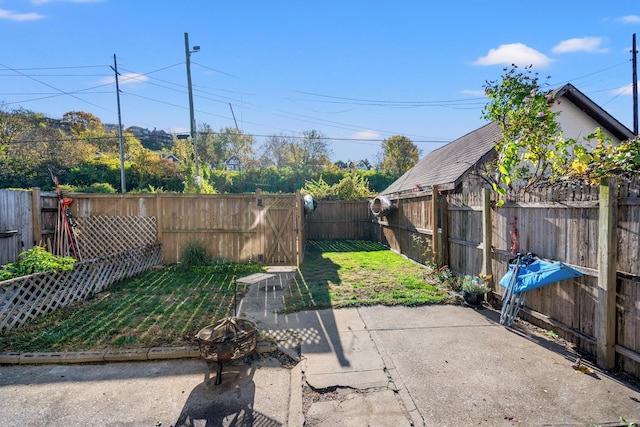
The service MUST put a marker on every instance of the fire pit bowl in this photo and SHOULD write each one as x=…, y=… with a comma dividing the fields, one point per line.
x=227, y=340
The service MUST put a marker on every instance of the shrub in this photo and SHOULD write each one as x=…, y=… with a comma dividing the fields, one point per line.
x=35, y=260
x=194, y=255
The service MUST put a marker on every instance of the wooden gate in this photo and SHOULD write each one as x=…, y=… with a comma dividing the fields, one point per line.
x=282, y=223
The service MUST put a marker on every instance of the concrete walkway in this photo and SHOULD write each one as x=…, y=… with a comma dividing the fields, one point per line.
x=372, y=366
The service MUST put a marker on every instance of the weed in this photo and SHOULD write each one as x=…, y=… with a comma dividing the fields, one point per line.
x=194, y=255
x=551, y=334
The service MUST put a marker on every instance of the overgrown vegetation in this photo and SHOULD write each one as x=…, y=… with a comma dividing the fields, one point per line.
x=606, y=159
x=167, y=307
x=354, y=186
x=35, y=260
x=84, y=155
x=532, y=149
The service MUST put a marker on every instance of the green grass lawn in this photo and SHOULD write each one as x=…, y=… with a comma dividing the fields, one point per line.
x=168, y=307
x=345, y=273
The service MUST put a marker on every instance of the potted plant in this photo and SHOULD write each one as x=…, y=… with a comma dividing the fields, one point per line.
x=475, y=288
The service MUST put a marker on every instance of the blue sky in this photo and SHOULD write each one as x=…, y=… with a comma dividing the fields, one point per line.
x=357, y=71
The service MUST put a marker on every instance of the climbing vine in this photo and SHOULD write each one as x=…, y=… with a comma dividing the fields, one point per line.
x=606, y=159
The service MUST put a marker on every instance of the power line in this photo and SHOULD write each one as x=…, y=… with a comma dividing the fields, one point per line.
x=52, y=87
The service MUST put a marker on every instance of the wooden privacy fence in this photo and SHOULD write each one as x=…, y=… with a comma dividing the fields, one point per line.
x=410, y=228
x=244, y=228
x=256, y=227
x=340, y=220
x=592, y=229
x=25, y=298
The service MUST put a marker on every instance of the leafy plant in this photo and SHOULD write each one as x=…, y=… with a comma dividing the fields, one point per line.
x=194, y=255
x=532, y=147
x=476, y=285
x=353, y=186
x=606, y=159
x=35, y=260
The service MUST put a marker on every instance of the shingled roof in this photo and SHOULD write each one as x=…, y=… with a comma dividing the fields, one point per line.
x=446, y=166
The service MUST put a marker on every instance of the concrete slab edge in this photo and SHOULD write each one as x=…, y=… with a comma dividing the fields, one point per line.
x=125, y=355
x=296, y=415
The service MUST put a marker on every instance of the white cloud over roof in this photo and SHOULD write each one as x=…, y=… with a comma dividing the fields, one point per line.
x=514, y=53
x=583, y=44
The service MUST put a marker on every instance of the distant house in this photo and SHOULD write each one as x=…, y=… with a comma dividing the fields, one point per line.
x=139, y=132
x=232, y=163
x=451, y=167
x=171, y=157
x=151, y=139
x=361, y=165
x=161, y=137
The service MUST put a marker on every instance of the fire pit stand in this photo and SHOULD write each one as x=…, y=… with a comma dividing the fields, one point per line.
x=230, y=339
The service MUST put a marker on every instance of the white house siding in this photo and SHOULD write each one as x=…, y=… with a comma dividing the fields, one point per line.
x=576, y=124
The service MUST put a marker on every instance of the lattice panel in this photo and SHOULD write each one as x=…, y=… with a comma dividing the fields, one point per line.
x=103, y=235
x=25, y=298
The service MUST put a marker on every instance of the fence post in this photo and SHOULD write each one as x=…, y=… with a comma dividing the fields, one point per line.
x=36, y=209
x=298, y=226
x=159, y=219
x=434, y=222
x=606, y=310
x=487, y=238
x=444, y=224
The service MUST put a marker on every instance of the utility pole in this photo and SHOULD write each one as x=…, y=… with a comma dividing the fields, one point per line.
x=123, y=185
x=192, y=120
x=634, y=61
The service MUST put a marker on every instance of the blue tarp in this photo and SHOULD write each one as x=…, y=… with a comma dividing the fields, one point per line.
x=537, y=274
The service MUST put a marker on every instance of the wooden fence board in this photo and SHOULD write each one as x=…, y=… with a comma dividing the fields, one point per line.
x=16, y=224
x=349, y=220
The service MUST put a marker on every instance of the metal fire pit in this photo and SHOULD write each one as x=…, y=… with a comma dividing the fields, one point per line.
x=227, y=340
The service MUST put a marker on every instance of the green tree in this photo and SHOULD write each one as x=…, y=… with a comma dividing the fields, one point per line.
x=240, y=145
x=309, y=151
x=313, y=150
x=80, y=121
x=277, y=150
x=531, y=147
x=212, y=150
x=353, y=186
x=399, y=155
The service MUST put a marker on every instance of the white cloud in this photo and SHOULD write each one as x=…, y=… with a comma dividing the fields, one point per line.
x=13, y=16
x=366, y=134
x=630, y=19
x=514, y=53
x=124, y=79
x=624, y=90
x=584, y=44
